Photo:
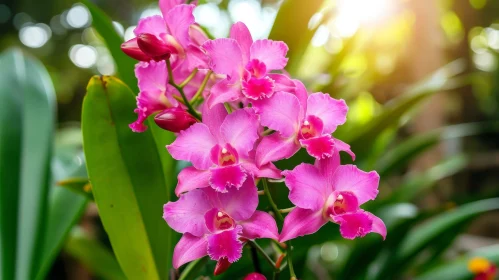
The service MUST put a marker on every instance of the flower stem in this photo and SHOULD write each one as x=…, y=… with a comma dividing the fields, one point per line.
x=281, y=218
x=286, y=210
x=257, y=247
x=188, y=79
x=181, y=91
x=202, y=87
x=254, y=257
x=271, y=201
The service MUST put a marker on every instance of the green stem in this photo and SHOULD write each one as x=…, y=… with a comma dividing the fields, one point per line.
x=281, y=218
x=188, y=79
x=271, y=201
x=255, y=245
x=181, y=91
x=202, y=87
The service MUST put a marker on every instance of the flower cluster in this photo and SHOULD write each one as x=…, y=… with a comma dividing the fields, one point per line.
x=236, y=112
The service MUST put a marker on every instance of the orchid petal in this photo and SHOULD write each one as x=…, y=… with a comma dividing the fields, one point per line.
x=321, y=147
x=300, y=222
x=153, y=25
x=332, y=112
x=241, y=34
x=240, y=130
x=194, y=144
x=213, y=118
x=363, y=184
x=178, y=20
x=352, y=225
x=189, y=248
x=282, y=83
x=224, y=91
x=226, y=56
x=378, y=225
x=226, y=245
x=327, y=167
x=272, y=53
x=239, y=204
x=343, y=147
x=274, y=147
x=152, y=76
x=307, y=187
x=187, y=213
x=302, y=94
x=279, y=113
x=191, y=178
x=223, y=178
x=260, y=225
x=166, y=5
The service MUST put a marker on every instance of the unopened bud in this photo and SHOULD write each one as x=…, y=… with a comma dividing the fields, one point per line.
x=131, y=48
x=222, y=265
x=174, y=119
x=154, y=47
x=255, y=276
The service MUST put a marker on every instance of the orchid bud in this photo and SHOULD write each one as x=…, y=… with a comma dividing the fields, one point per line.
x=255, y=276
x=131, y=48
x=222, y=265
x=154, y=47
x=174, y=119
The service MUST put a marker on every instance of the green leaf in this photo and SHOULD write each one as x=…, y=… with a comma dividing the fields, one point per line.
x=191, y=271
x=361, y=138
x=78, y=185
x=416, y=184
x=424, y=236
x=96, y=258
x=27, y=120
x=406, y=151
x=458, y=269
x=292, y=19
x=128, y=183
x=104, y=26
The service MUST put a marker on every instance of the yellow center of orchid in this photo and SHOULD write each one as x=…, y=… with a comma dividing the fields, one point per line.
x=223, y=221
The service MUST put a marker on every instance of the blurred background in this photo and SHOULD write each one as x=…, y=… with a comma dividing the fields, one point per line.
x=421, y=78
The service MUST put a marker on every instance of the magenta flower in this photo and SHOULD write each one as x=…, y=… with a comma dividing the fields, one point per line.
x=300, y=120
x=155, y=93
x=220, y=150
x=174, y=33
x=328, y=191
x=247, y=67
x=216, y=224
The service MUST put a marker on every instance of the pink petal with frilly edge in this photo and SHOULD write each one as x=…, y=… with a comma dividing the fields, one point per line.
x=272, y=53
x=321, y=147
x=191, y=178
x=332, y=112
x=226, y=245
x=228, y=177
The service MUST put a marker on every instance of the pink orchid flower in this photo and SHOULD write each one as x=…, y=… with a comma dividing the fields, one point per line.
x=328, y=191
x=247, y=65
x=216, y=224
x=174, y=33
x=220, y=150
x=300, y=120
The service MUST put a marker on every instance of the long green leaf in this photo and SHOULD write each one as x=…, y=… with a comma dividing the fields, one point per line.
x=104, y=26
x=128, y=183
x=458, y=269
x=405, y=152
x=422, y=237
x=361, y=138
x=33, y=112
x=93, y=255
x=292, y=19
x=65, y=209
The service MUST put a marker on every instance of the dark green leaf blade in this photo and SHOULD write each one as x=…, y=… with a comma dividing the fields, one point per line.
x=104, y=26
x=127, y=179
x=93, y=255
